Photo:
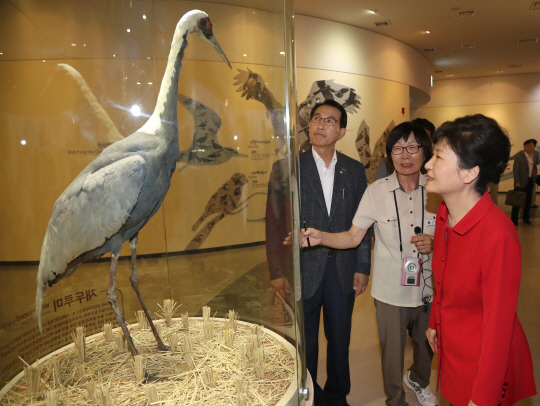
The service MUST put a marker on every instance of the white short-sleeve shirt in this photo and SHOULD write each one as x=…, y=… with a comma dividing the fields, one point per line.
x=379, y=208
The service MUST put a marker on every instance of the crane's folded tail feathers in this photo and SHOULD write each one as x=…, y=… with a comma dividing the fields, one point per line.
x=40, y=293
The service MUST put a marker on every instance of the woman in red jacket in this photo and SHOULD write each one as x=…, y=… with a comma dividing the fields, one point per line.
x=484, y=357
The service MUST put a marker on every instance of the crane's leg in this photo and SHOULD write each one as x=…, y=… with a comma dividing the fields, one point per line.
x=112, y=297
x=135, y=284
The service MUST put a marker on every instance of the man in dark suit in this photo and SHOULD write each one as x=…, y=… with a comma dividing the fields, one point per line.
x=525, y=170
x=331, y=187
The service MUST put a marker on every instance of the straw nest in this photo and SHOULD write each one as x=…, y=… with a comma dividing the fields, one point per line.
x=200, y=369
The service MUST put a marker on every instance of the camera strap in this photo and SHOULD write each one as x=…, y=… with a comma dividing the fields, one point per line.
x=399, y=222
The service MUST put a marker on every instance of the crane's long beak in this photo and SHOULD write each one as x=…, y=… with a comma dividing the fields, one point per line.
x=218, y=49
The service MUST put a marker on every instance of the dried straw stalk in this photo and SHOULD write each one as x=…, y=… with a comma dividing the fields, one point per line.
x=173, y=342
x=141, y=319
x=120, y=343
x=233, y=317
x=206, y=314
x=79, y=338
x=259, y=362
x=33, y=378
x=91, y=389
x=209, y=378
x=151, y=393
x=57, y=378
x=80, y=371
x=185, y=320
x=107, y=333
x=168, y=309
x=52, y=397
x=102, y=395
x=188, y=344
x=229, y=338
x=241, y=399
x=208, y=330
x=139, y=366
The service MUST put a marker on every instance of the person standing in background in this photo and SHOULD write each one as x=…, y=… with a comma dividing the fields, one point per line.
x=525, y=170
x=535, y=188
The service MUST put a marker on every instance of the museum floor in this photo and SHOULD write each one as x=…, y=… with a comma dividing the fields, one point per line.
x=366, y=374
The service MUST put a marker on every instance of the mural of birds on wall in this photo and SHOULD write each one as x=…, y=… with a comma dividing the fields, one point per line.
x=225, y=201
x=253, y=86
x=205, y=149
x=362, y=144
x=117, y=193
x=379, y=152
x=323, y=90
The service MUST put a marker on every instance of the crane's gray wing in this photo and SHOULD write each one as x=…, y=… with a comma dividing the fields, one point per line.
x=92, y=209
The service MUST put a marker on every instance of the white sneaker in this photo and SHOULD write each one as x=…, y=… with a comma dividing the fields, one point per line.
x=425, y=396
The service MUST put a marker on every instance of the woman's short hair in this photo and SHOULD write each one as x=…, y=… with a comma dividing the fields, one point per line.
x=480, y=141
x=402, y=132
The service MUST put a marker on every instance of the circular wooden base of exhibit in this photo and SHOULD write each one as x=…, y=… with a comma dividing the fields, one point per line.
x=211, y=377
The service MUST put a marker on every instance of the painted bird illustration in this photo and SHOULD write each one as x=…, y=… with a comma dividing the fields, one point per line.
x=117, y=193
x=205, y=149
x=224, y=202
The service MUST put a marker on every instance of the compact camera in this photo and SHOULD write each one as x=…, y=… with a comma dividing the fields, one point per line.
x=410, y=272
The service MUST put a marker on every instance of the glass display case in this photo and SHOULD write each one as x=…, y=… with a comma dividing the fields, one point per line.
x=85, y=86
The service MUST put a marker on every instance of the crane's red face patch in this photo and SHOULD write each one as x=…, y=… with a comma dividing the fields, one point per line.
x=205, y=25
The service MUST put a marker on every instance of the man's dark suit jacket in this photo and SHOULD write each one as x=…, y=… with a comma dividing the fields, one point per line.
x=521, y=167
x=349, y=185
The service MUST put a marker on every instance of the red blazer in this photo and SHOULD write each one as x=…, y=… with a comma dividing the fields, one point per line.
x=483, y=352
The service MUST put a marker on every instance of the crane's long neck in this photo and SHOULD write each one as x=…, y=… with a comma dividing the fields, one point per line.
x=164, y=114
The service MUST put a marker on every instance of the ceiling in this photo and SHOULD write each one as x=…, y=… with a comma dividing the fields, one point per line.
x=494, y=30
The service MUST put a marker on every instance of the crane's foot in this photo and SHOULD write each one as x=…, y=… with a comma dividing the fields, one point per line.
x=163, y=347
x=148, y=378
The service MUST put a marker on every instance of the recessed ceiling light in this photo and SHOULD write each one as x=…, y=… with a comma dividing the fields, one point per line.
x=466, y=13
x=429, y=50
x=450, y=74
x=426, y=32
x=372, y=11
x=499, y=71
x=528, y=41
x=468, y=46
x=382, y=23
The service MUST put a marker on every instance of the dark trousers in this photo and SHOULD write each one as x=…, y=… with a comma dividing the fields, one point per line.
x=515, y=210
x=337, y=313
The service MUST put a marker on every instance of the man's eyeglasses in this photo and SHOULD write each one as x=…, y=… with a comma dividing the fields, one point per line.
x=411, y=149
x=327, y=121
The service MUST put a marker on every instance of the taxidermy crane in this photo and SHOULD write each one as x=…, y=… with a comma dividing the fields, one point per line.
x=116, y=194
